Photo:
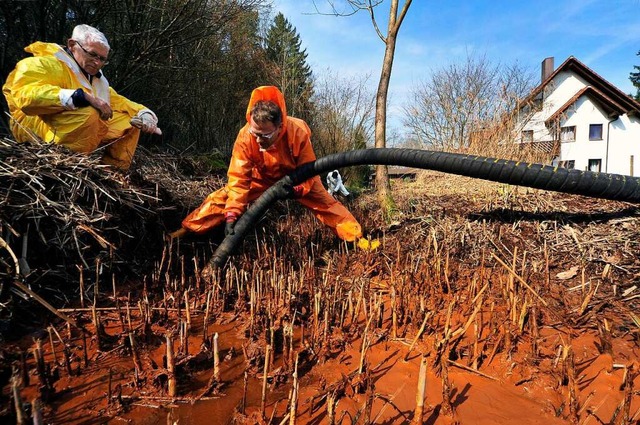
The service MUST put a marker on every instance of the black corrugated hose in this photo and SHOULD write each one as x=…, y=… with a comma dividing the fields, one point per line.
x=538, y=176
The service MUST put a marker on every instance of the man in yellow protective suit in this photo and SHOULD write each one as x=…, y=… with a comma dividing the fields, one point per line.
x=60, y=95
x=270, y=146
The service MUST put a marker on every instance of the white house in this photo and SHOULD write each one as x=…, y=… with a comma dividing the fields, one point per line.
x=584, y=121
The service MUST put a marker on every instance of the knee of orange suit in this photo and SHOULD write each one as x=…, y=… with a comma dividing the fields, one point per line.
x=349, y=231
x=119, y=152
x=209, y=214
x=27, y=128
x=203, y=224
x=80, y=130
x=115, y=162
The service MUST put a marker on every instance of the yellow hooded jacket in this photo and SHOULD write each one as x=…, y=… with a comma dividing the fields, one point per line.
x=38, y=93
x=253, y=171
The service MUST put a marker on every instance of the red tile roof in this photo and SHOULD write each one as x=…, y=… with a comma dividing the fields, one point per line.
x=611, y=107
x=604, y=90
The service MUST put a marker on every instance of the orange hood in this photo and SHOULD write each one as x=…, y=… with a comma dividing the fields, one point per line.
x=271, y=93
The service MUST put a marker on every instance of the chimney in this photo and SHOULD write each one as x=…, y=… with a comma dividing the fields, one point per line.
x=547, y=68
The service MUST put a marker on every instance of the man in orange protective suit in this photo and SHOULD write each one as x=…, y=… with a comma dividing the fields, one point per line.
x=268, y=147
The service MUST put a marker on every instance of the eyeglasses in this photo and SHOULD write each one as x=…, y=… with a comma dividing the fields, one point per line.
x=267, y=136
x=93, y=55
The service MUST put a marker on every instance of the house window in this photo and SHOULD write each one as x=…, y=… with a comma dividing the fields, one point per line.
x=595, y=131
x=595, y=164
x=568, y=134
x=570, y=164
x=527, y=136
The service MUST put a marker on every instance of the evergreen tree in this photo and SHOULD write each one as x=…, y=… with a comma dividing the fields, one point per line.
x=635, y=79
x=294, y=78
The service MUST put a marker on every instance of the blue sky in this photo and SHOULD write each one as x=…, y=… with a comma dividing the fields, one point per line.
x=603, y=34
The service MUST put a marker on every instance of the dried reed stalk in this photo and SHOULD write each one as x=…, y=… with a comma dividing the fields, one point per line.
x=216, y=358
x=418, y=417
x=293, y=405
x=171, y=367
x=17, y=401
x=420, y=331
x=265, y=373
x=525, y=284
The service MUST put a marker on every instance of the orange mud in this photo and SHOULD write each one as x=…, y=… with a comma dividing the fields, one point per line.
x=517, y=390
x=549, y=349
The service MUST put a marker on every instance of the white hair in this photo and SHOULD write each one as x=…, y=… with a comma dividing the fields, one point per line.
x=85, y=34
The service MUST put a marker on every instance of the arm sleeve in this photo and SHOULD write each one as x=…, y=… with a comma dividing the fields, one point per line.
x=122, y=104
x=35, y=88
x=239, y=176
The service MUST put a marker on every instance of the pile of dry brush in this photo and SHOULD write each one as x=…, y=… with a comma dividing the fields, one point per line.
x=62, y=213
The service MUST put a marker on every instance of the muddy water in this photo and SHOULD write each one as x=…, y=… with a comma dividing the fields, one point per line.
x=221, y=405
x=217, y=407
x=515, y=389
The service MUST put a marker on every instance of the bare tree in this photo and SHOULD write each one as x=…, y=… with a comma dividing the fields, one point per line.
x=193, y=61
x=344, y=117
x=345, y=108
x=396, y=16
x=465, y=106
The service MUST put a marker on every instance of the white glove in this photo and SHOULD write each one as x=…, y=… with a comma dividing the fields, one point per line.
x=146, y=121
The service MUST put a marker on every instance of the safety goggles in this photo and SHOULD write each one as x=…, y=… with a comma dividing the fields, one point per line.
x=266, y=136
x=93, y=55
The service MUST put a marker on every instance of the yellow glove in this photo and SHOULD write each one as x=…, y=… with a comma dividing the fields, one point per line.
x=368, y=245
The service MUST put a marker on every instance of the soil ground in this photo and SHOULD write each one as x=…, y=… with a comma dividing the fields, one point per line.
x=521, y=303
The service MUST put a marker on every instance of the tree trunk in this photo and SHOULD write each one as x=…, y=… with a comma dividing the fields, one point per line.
x=383, y=186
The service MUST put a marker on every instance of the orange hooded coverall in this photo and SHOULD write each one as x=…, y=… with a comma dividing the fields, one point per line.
x=252, y=171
